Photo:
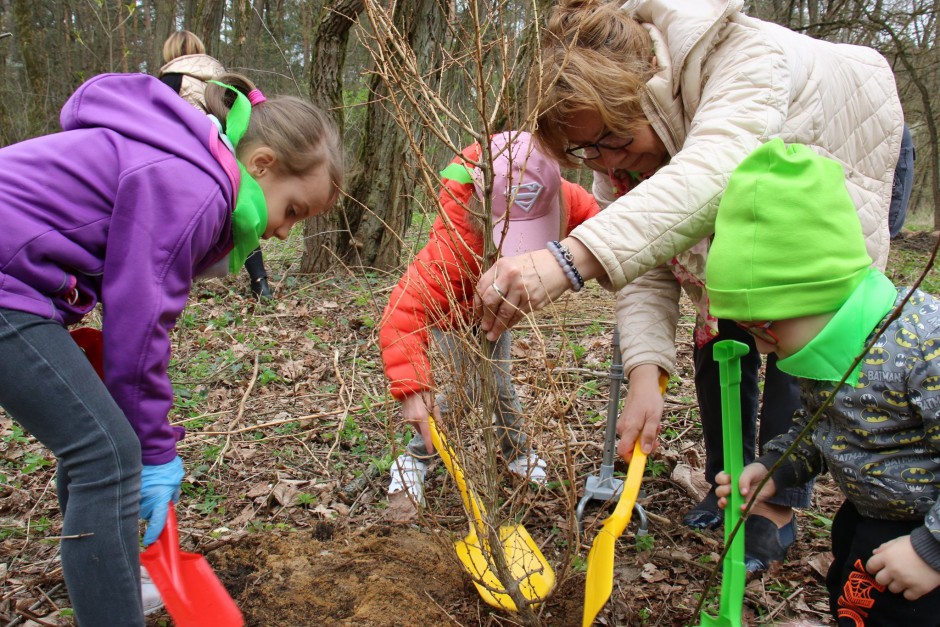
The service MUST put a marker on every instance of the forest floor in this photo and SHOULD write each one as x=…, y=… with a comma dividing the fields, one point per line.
x=290, y=438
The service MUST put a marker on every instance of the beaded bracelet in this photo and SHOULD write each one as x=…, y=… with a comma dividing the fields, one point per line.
x=566, y=261
x=570, y=260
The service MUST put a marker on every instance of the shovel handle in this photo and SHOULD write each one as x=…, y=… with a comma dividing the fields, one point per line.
x=728, y=354
x=470, y=500
x=91, y=341
x=620, y=517
x=170, y=541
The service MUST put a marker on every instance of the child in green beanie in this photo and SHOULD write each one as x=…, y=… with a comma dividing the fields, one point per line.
x=789, y=264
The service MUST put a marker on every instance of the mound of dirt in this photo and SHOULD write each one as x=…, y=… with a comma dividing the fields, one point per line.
x=384, y=577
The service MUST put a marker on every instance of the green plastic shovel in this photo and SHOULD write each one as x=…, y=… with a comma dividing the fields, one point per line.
x=600, y=570
x=728, y=354
x=526, y=563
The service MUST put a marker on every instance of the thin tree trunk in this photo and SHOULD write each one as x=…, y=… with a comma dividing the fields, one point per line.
x=207, y=17
x=31, y=47
x=6, y=121
x=164, y=24
x=930, y=116
x=517, y=100
x=321, y=233
x=242, y=44
x=382, y=192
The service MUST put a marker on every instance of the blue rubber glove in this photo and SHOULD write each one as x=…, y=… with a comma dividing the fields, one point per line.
x=158, y=486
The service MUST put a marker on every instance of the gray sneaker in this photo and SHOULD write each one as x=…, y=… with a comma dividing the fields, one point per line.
x=408, y=474
x=150, y=596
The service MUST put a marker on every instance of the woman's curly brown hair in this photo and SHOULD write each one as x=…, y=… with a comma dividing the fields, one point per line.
x=594, y=57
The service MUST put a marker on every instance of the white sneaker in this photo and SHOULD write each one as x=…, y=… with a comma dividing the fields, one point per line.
x=408, y=474
x=150, y=596
x=530, y=467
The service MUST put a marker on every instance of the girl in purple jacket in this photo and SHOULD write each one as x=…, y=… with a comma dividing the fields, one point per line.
x=139, y=194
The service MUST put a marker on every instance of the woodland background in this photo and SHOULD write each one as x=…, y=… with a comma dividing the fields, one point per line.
x=329, y=50
x=291, y=431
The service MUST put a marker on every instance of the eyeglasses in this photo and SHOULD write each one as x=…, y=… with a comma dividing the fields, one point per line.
x=761, y=330
x=589, y=152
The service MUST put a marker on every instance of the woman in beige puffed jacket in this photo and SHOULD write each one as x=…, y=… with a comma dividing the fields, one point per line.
x=663, y=98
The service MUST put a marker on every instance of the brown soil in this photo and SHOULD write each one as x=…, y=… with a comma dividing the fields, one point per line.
x=386, y=575
x=380, y=576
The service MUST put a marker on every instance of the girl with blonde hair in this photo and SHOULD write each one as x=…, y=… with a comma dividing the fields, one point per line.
x=134, y=198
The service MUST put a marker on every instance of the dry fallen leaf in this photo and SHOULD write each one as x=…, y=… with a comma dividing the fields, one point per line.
x=652, y=574
x=820, y=563
x=259, y=489
x=284, y=493
x=691, y=480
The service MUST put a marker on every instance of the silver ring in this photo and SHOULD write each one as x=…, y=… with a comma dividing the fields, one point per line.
x=498, y=291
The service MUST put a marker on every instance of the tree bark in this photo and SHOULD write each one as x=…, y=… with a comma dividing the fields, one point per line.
x=207, y=17
x=321, y=233
x=517, y=98
x=381, y=193
x=7, y=45
x=30, y=43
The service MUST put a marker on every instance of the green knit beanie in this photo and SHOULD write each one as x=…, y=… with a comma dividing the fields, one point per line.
x=788, y=242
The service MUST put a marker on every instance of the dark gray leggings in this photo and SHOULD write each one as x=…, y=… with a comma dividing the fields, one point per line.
x=49, y=387
x=513, y=440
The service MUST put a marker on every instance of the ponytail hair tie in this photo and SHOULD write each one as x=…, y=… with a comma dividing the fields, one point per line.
x=255, y=97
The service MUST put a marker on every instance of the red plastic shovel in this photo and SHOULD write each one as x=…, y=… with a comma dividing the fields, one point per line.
x=90, y=341
x=192, y=593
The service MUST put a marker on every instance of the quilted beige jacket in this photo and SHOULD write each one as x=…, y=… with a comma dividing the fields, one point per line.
x=729, y=83
x=196, y=70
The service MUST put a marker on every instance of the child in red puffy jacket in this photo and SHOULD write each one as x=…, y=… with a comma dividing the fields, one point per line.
x=532, y=204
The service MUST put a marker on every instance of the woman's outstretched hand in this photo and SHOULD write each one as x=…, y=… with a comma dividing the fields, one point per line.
x=514, y=286
x=642, y=412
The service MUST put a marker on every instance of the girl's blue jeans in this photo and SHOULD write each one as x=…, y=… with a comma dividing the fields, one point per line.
x=903, y=184
x=49, y=388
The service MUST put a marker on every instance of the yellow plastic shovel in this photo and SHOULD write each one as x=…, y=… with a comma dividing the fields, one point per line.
x=600, y=570
x=526, y=563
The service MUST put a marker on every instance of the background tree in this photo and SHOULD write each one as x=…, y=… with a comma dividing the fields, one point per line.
x=328, y=58
x=906, y=34
x=303, y=47
x=381, y=190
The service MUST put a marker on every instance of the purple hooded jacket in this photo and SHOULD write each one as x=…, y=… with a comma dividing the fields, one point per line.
x=125, y=207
